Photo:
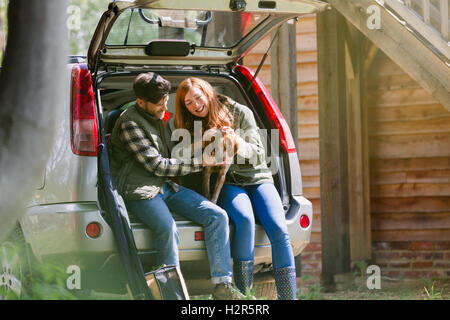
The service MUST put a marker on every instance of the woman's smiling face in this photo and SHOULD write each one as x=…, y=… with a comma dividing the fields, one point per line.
x=196, y=102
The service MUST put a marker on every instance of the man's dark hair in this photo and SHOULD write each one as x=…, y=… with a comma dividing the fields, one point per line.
x=151, y=87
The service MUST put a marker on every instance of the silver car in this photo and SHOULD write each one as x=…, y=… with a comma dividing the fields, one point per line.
x=176, y=39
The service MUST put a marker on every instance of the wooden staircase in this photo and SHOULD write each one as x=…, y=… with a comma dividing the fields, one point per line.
x=413, y=33
x=430, y=24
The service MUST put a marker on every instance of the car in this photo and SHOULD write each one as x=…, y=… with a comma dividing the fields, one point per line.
x=177, y=39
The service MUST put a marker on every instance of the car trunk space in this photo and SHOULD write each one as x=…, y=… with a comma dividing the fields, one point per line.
x=116, y=94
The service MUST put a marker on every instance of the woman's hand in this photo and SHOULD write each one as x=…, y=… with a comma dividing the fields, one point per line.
x=227, y=130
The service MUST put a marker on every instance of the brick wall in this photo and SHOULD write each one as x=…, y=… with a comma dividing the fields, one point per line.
x=311, y=260
x=413, y=260
x=397, y=259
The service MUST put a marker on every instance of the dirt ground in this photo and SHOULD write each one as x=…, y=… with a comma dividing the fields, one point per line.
x=438, y=289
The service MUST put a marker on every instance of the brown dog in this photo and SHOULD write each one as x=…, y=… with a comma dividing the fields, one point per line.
x=230, y=147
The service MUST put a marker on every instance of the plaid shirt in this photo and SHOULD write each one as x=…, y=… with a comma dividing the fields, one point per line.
x=144, y=151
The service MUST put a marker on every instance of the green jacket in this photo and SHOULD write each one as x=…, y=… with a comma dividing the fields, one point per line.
x=246, y=171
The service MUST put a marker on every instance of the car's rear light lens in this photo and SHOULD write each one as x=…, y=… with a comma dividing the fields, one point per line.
x=199, y=236
x=93, y=230
x=304, y=221
x=270, y=107
x=84, y=130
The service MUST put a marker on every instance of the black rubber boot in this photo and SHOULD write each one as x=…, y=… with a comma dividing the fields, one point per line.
x=243, y=275
x=285, y=280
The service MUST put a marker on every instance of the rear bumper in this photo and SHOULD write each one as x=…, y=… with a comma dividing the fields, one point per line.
x=59, y=229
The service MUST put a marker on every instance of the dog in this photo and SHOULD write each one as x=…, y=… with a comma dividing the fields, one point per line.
x=230, y=147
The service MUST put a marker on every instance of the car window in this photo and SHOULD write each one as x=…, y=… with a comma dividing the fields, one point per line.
x=201, y=28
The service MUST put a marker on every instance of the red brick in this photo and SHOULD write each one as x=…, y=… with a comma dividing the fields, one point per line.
x=313, y=247
x=400, y=245
x=422, y=246
x=432, y=255
x=399, y=264
x=386, y=255
x=433, y=274
x=423, y=255
x=412, y=274
x=442, y=265
x=307, y=256
x=310, y=266
x=391, y=274
x=442, y=245
x=422, y=264
x=318, y=256
x=409, y=255
x=381, y=245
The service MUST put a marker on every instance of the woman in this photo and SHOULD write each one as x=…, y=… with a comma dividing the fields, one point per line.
x=249, y=189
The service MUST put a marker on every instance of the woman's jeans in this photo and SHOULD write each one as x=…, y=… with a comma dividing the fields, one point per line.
x=242, y=205
x=155, y=213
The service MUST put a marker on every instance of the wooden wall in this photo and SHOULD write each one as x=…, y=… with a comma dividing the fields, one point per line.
x=409, y=137
x=409, y=140
x=409, y=143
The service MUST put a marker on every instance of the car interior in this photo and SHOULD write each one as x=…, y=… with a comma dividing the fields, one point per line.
x=116, y=94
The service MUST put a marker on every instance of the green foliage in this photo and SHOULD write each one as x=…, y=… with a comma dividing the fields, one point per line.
x=430, y=290
x=308, y=290
x=47, y=282
x=3, y=26
x=362, y=266
x=250, y=294
x=82, y=19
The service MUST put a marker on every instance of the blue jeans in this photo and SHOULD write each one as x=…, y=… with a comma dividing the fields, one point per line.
x=155, y=213
x=263, y=200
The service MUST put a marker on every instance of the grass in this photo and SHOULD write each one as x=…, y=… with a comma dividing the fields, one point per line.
x=48, y=282
x=431, y=293
x=309, y=289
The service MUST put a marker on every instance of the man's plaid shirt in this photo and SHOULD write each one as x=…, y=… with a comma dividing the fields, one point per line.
x=135, y=141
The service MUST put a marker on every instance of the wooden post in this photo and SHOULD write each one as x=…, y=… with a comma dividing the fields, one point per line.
x=333, y=146
x=358, y=153
x=426, y=11
x=444, y=18
x=283, y=61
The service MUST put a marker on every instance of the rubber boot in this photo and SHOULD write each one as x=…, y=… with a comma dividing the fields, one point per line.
x=285, y=281
x=243, y=275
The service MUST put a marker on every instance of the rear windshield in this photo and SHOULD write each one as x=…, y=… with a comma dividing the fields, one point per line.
x=201, y=28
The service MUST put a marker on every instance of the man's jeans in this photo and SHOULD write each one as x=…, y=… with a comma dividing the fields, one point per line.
x=155, y=213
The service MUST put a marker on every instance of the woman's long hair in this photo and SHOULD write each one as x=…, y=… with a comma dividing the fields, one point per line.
x=218, y=116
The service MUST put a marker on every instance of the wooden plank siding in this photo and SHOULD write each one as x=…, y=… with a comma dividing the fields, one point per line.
x=409, y=148
x=409, y=137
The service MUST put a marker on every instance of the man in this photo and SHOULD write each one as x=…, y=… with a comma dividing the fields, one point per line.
x=142, y=169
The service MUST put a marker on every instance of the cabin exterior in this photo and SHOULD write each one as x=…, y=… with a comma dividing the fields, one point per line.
x=373, y=135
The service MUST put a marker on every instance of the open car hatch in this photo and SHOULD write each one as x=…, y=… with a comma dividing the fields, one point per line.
x=187, y=32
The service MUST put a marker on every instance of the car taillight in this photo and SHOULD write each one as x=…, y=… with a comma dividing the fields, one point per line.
x=270, y=107
x=84, y=131
x=304, y=221
x=93, y=230
x=199, y=235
